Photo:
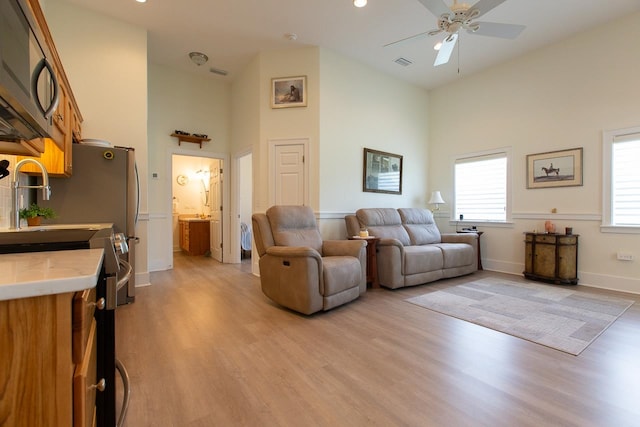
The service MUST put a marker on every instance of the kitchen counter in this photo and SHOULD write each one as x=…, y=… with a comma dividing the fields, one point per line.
x=46, y=273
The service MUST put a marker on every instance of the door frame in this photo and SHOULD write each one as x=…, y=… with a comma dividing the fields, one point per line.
x=280, y=142
x=226, y=205
x=234, y=245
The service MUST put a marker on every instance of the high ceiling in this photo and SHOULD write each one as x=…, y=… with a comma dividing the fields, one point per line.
x=232, y=32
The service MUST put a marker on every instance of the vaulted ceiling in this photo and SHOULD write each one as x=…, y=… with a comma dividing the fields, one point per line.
x=231, y=32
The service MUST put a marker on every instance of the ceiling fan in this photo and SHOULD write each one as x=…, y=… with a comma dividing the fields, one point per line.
x=462, y=16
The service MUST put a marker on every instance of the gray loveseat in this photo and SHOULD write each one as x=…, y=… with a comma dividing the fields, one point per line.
x=411, y=250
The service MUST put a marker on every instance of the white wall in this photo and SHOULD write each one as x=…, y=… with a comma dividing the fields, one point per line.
x=246, y=189
x=284, y=123
x=362, y=108
x=106, y=63
x=180, y=101
x=559, y=97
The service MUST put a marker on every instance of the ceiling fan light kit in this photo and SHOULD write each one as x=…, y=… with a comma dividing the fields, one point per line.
x=460, y=16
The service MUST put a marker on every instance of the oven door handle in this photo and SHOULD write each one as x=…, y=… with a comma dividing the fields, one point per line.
x=114, y=284
x=126, y=276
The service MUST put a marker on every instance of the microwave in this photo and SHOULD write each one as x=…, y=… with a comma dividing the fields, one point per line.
x=28, y=85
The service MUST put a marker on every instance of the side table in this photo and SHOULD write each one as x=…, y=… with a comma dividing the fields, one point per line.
x=372, y=259
x=479, y=233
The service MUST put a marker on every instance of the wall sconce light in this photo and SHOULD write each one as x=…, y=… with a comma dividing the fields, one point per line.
x=436, y=199
x=198, y=58
x=359, y=3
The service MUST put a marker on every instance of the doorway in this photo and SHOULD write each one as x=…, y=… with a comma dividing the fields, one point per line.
x=198, y=195
x=245, y=205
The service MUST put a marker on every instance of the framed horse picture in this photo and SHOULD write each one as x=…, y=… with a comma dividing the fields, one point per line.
x=555, y=169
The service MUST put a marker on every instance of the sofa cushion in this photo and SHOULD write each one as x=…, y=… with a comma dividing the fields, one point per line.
x=384, y=223
x=420, y=226
x=457, y=254
x=294, y=226
x=340, y=273
x=422, y=259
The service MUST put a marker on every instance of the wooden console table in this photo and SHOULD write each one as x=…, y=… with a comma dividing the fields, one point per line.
x=551, y=258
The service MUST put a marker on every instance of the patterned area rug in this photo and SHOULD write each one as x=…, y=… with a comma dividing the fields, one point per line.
x=554, y=316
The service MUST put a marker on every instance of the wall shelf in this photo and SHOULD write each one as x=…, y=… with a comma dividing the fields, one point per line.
x=190, y=138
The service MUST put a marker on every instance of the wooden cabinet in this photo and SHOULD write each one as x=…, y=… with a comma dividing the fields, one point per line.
x=48, y=363
x=57, y=150
x=33, y=147
x=551, y=258
x=194, y=236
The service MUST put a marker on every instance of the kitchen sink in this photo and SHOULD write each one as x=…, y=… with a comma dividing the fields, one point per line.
x=48, y=237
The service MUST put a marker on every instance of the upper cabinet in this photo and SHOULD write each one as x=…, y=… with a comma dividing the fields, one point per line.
x=67, y=120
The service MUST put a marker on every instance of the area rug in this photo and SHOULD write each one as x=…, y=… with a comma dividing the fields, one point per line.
x=550, y=315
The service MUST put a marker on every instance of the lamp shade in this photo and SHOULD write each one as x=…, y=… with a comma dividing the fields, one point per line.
x=436, y=198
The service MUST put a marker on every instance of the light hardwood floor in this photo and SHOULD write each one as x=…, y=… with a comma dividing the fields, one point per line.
x=204, y=347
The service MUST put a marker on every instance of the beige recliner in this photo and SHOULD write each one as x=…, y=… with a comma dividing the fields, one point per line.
x=301, y=271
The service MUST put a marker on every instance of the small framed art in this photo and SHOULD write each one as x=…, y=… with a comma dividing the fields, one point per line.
x=555, y=169
x=289, y=92
x=382, y=172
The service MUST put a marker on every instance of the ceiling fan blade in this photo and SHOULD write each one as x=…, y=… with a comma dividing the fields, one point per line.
x=482, y=7
x=446, y=49
x=414, y=37
x=437, y=7
x=494, y=29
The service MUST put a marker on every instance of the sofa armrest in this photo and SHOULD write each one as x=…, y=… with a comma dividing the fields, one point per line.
x=343, y=247
x=391, y=242
x=293, y=252
x=470, y=238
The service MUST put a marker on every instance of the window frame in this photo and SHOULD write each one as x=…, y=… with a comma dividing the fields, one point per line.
x=479, y=155
x=606, y=225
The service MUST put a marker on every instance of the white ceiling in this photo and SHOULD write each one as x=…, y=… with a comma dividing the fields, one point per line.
x=232, y=32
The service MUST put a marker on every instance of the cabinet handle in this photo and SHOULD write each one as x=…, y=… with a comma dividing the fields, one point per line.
x=100, y=386
x=100, y=304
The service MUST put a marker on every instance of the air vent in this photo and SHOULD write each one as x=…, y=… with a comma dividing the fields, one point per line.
x=403, y=61
x=218, y=71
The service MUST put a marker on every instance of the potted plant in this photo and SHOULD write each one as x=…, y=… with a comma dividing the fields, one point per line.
x=34, y=214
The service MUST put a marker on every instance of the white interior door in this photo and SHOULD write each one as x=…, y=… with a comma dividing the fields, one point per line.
x=290, y=174
x=215, y=188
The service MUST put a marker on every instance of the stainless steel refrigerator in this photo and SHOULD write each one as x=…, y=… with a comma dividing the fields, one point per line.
x=104, y=187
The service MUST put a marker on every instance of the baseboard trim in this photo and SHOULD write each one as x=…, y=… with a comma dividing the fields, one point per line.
x=593, y=280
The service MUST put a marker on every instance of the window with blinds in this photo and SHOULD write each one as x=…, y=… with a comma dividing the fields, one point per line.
x=480, y=187
x=621, y=181
x=625, y=180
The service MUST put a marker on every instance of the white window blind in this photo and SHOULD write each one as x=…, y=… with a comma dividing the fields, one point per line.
x=481, y=187
x=625, y=180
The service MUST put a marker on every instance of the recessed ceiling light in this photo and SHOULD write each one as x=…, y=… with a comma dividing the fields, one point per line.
x=141, y=1
x=437, y=46
x=359, y=3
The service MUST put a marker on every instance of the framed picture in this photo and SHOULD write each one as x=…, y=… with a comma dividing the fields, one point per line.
x=555, y=169
x=289, y=92
x=382, y=172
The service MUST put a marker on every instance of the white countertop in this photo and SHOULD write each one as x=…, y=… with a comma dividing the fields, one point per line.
x=83, y=226
x=46, y=273
x=194, y=218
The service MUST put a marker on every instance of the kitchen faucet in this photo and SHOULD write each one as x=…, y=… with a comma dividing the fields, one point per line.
x=46, y=190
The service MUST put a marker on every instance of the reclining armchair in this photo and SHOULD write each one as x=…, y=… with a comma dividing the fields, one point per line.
x=299, y=270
